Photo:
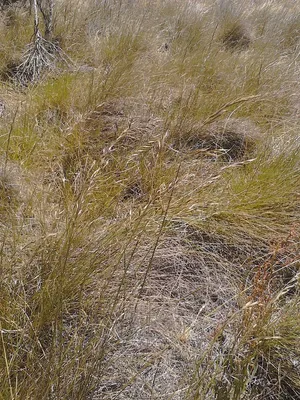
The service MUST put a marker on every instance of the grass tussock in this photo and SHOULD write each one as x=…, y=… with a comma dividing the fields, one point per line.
x=149, y=204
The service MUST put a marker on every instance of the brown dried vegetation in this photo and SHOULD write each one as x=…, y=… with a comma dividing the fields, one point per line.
x=149, y=203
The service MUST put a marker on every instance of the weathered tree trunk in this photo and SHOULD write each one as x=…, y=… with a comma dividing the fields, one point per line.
x=36, y=17
x=46, y=8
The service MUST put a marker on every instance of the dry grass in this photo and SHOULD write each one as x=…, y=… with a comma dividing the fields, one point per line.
x=149, y=204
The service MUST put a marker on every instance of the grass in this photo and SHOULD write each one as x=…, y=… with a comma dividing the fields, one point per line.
x=149, y=204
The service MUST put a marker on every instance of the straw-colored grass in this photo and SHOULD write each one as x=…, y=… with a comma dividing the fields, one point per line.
x=149, y=204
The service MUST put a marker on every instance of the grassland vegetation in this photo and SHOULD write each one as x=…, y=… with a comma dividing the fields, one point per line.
x=149, y=202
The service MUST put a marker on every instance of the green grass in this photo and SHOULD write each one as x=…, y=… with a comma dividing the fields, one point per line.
x=149, y=204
